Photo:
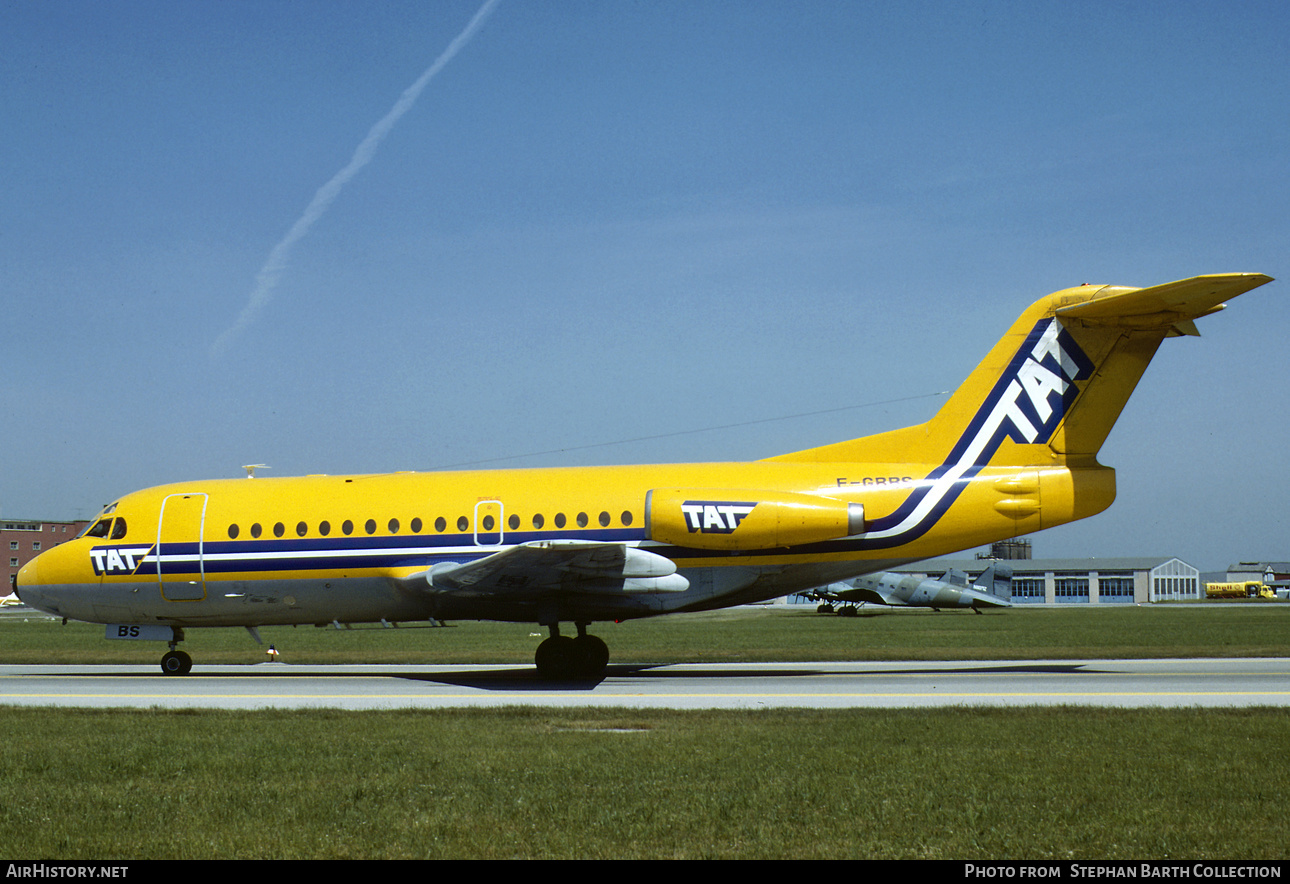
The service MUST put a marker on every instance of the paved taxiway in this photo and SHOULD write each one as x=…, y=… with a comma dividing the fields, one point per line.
x=1120, y=683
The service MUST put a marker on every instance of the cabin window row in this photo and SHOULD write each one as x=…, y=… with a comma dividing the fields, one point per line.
x=487, y=524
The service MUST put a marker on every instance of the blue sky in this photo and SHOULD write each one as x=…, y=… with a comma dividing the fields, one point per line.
x=611, y=221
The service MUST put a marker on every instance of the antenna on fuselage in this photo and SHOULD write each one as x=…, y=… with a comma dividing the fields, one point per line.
x=252, y=467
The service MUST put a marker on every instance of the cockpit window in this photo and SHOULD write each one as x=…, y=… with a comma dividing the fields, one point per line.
x=100, y=528
x=118, y=529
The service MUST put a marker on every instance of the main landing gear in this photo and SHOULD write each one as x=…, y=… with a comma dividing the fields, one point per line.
x=176, y=662
x=561, y=657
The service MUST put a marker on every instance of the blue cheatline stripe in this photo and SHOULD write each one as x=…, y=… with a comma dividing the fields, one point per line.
x=323, y=554
x=1012, y=410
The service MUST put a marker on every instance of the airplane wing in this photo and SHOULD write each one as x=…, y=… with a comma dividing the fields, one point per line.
x=845, y=592
x=548, y=566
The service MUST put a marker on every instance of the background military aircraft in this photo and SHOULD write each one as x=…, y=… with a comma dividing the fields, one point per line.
x=992, y=589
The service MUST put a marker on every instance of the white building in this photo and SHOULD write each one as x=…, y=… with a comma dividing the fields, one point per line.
x=1132, y=580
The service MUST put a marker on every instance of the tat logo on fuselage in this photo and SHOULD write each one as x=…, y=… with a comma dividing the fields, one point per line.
x=715, y=516
x=118, y=559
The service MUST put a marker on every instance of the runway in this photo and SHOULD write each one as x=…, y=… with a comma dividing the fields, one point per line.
x=1114, y=683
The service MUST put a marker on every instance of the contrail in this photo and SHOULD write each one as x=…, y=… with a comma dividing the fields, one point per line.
x=267, y=278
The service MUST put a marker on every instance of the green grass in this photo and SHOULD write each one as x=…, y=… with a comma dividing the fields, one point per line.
x=1057, y=783
x=532, y=783
x=782, y=633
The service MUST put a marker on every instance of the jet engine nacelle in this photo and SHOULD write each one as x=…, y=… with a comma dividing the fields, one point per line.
x=724, y=518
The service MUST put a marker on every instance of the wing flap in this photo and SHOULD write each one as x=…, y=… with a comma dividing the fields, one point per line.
x=547, y=566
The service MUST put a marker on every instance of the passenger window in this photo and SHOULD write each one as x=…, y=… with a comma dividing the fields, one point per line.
x=440, y=524
x=302, y=529
x=324, y=528
x=118, y=529
x=488, y=523
x=370, y=526
x=538, y=521
x=416, y=526
x=582, y=520
x=279, y=529
x=627, y=517
x=233, y=531
x=255, y=529
x=514, y=522
x=604, y=519
x=394, y=526
x=559, y=520
x=347, y=527
x=463, y=523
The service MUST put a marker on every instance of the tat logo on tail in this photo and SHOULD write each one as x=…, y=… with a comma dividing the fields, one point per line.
x=1026, y=405
x=1032, y=396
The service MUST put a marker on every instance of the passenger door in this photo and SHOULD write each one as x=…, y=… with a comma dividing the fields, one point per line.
x=181, y=567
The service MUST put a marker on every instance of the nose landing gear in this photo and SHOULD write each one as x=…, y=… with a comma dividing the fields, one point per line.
x=176, y=662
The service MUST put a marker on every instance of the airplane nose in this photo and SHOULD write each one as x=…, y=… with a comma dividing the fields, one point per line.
x=26, y=576
x=26, y=587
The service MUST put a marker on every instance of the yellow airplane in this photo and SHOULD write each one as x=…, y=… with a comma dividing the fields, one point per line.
x=1011, y=452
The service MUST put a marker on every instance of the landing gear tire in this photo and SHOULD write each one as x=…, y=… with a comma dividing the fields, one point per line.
x=563, y=658
x=176, y=663
x=594, y=654
x=555, y=657
x=825, y=608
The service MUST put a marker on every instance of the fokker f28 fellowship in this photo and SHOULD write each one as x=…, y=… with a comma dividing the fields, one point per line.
x=1013, y=451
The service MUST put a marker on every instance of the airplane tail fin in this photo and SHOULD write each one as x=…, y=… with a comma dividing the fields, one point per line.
x=955, y=577
x=997, y=580
x=1050, y=390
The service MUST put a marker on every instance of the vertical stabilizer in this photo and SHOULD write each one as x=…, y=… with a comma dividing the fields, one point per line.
x=1051, y=389
x=997, y=581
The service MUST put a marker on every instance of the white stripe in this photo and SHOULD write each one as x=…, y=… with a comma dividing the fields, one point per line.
x=323, y=554
x=942, y=486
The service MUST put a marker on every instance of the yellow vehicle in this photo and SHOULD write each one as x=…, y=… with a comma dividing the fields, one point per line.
x=1243, y=589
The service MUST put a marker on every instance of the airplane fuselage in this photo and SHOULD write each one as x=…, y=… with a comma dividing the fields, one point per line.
x=318, y=549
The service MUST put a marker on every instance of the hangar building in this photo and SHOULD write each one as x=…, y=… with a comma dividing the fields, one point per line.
x=1133, y=580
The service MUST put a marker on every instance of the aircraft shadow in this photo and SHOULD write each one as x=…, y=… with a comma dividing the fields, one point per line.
x=525, y=678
